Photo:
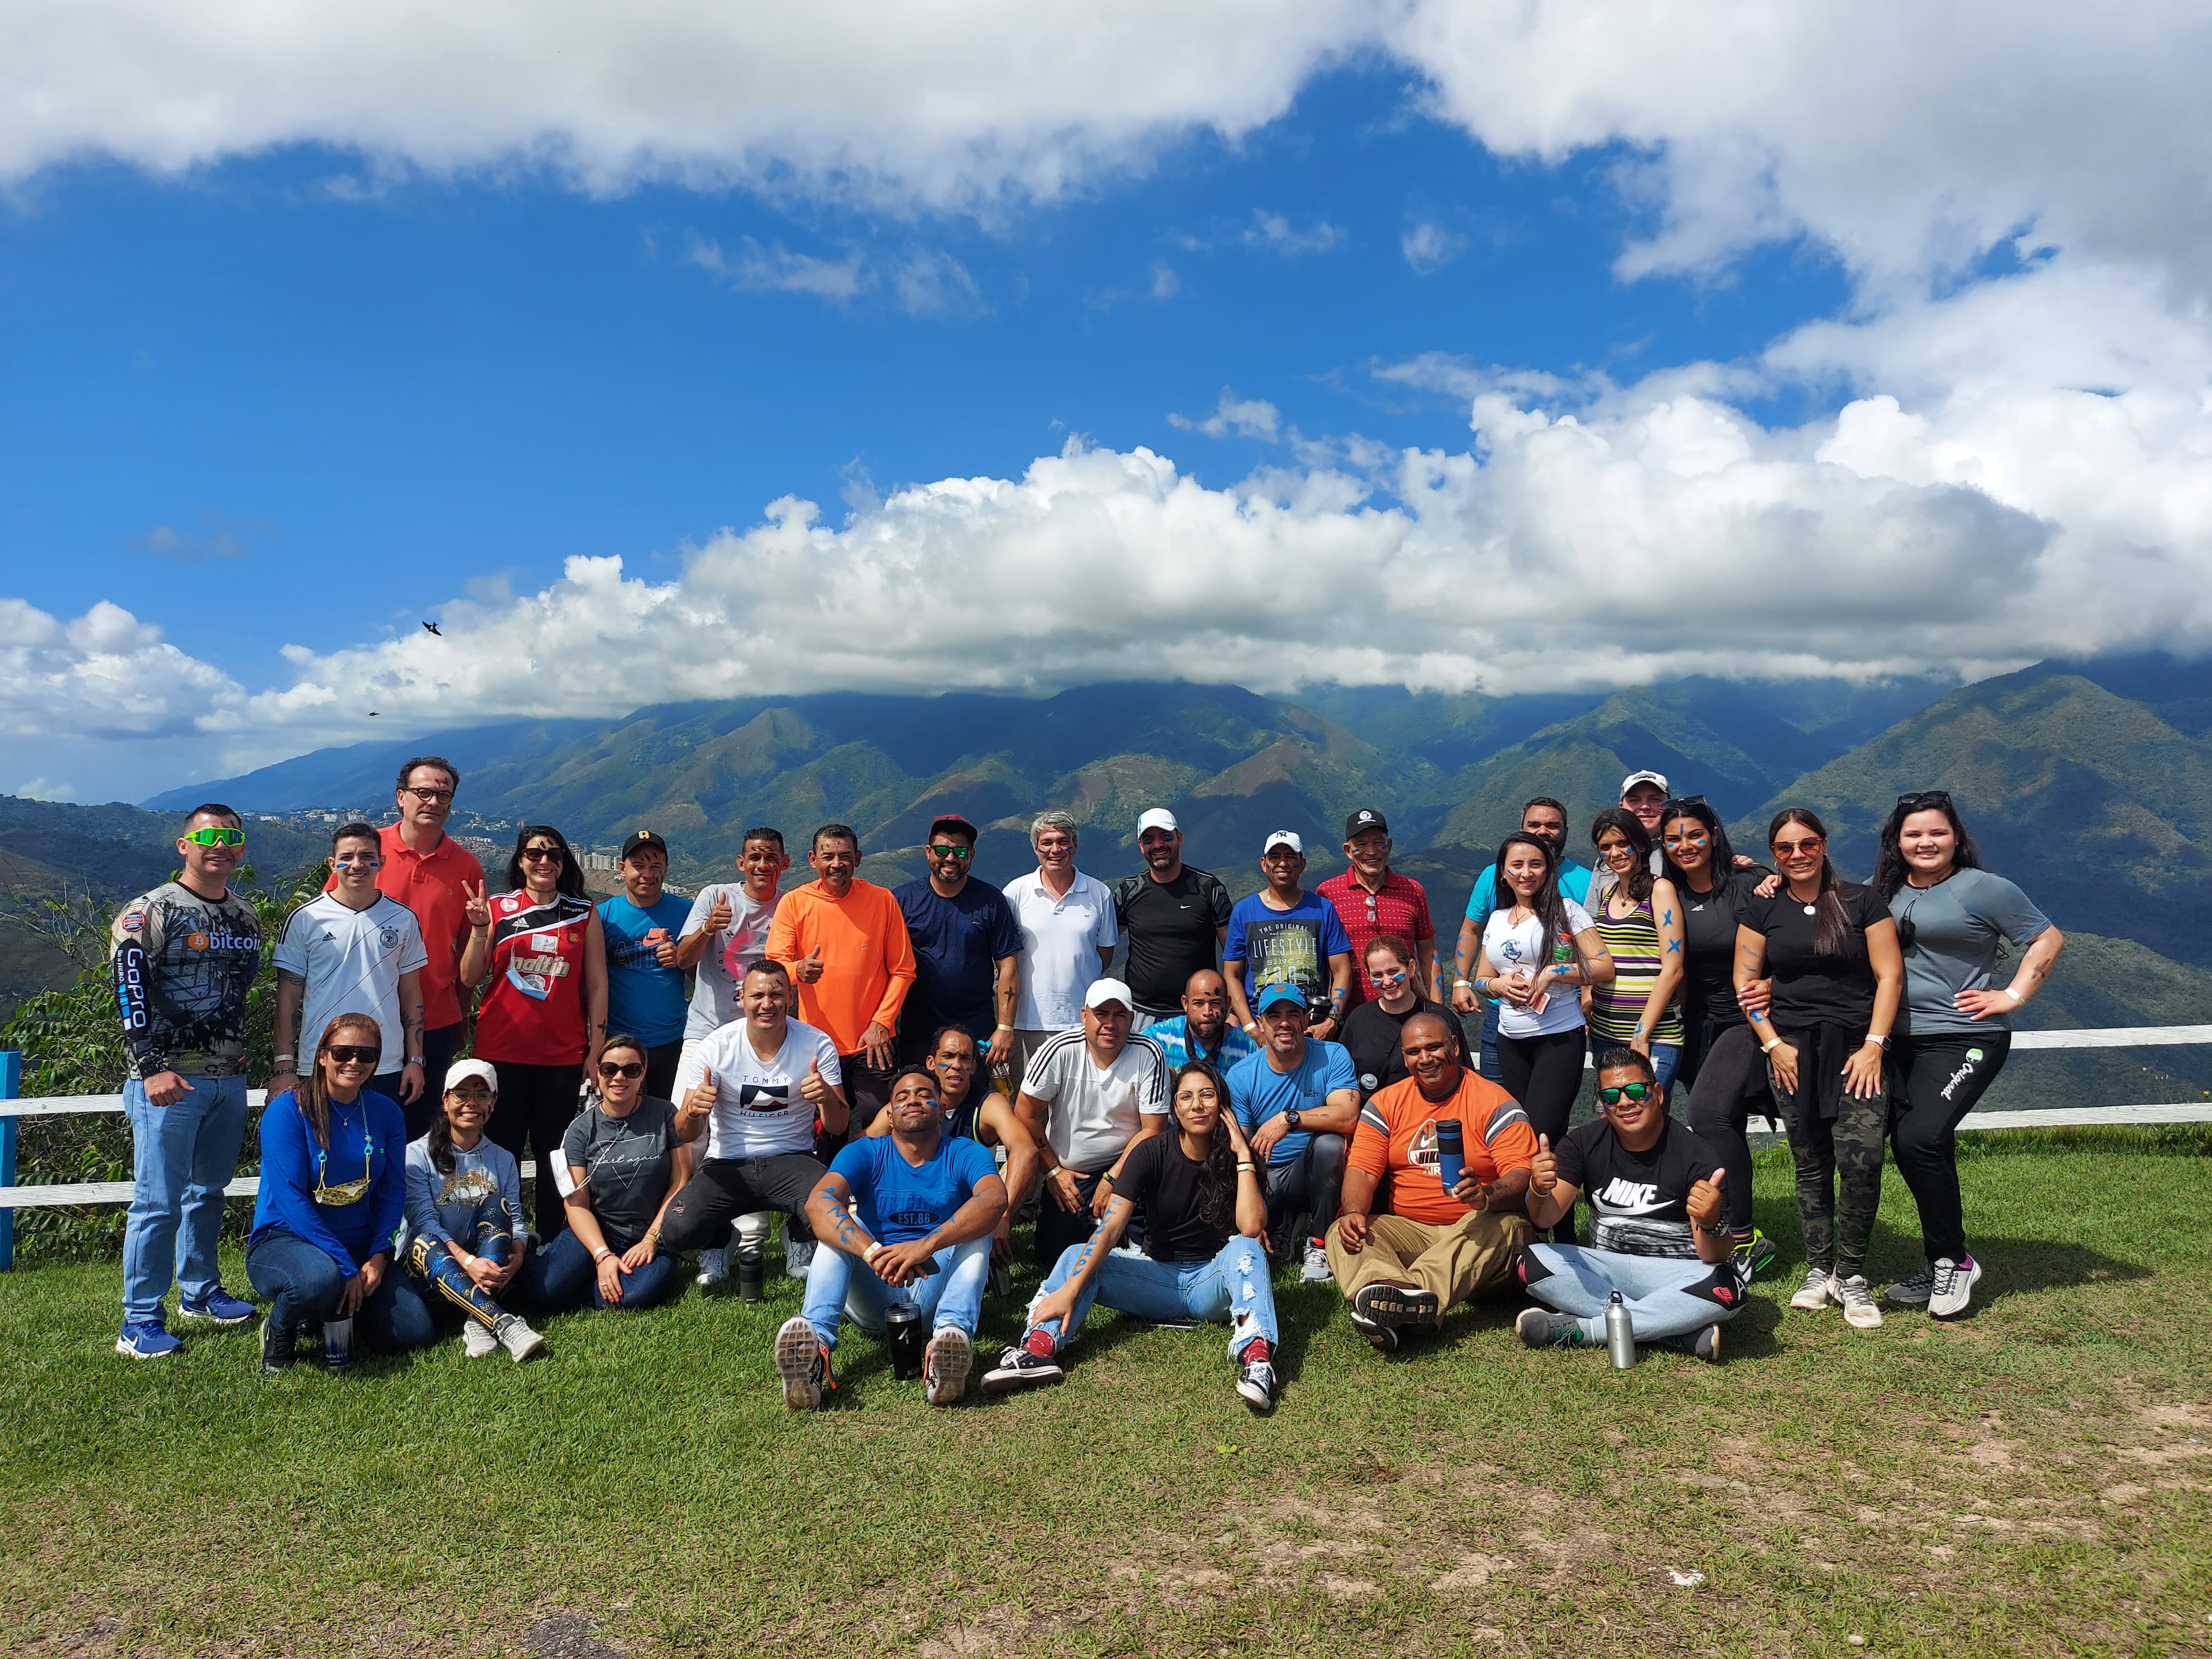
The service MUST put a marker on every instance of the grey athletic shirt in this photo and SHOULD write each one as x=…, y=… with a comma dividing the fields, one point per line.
x=1956, y=926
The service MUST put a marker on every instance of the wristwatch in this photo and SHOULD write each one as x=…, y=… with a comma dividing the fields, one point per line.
x=1294, y=1117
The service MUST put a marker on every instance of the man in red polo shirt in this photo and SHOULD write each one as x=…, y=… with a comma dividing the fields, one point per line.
x=1371, y=899
x=431, y=874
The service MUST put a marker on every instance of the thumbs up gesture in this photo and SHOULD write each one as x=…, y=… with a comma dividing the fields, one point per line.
x=808, y=969
x=664, y=947
x=719, y=917
x=814, y=1088
x=1704, y=1202
x=1544, y=1171
x=700, y=1098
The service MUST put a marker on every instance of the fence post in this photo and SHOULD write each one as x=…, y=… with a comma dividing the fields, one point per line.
x=11, y=1083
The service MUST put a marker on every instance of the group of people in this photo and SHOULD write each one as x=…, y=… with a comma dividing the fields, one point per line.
x=896, y=1073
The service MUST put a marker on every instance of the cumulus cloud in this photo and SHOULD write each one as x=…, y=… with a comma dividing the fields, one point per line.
x=1245, y=417
x=104, y=676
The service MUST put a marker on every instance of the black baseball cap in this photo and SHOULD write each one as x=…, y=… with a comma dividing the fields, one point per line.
x=954, y=820
x=644, y=838
x=1364, y=819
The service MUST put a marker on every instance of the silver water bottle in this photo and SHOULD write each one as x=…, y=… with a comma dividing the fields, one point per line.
x=1619, y=1333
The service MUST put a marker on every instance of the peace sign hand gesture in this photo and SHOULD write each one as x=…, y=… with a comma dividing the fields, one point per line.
x=475, y=906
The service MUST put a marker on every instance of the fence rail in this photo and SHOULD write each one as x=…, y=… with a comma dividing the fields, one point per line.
x=12, y=1111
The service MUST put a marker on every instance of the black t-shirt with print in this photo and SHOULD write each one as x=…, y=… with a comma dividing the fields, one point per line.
x=1709, y=925
x=1172, y=930
x=1160, y=1179
x=1642, y=1199
x=1809, y=988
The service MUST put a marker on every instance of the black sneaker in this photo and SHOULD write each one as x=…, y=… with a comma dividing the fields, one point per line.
x=1753, y=1257
x=1256, y=1385
x=1540, y=1328
x=278, y=1351
x=804, y=1365
x=1707, y=1347
x=1384, y=1337
x=1017, y=1367
x=1396, y=1306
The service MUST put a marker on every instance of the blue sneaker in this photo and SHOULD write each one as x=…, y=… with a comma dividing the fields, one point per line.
x=149, y=1340
x=219, y=1306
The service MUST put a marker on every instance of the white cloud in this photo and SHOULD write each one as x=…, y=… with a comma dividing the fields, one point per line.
x=1247, y=418
x=212, y=536
x=1429, y=247
x=776, y=269
x=1274, y=233
x=105, y=676
x=1165, y=283
x=44, y=789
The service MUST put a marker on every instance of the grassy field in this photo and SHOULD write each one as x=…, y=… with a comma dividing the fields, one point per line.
x=2031, y=1480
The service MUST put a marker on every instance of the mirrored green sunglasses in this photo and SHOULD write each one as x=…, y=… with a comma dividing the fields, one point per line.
x=1632, y=1091
x=215, y=835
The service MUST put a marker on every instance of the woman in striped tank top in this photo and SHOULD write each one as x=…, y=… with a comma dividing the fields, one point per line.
x=1640, y=920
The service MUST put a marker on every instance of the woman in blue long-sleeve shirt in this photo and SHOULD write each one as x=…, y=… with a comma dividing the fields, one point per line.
x=333, y=1187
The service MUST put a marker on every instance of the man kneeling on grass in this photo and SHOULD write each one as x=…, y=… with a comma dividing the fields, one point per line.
x=1205, y=1212
x=908, y=1217
x=1659, y=1238
x=1434, y=1246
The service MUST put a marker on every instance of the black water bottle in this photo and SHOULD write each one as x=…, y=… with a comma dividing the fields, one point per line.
x=902, y=1331
x=751, y=1272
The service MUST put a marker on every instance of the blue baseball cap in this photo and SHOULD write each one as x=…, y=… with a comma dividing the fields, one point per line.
x=1271, y=994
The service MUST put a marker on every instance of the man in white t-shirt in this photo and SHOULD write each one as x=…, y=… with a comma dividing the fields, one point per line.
x=755, y=1088
x=1068, y=935
x=1090, y=1094
x=726, y=932
x=352, y=951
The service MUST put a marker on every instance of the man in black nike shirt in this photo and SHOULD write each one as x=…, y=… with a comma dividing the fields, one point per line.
x=1659, y=1238
x=1173, y=916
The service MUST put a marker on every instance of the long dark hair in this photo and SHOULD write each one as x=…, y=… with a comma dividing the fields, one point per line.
x=1889, y=866
x=1831, y=930
x=1545, y=902
x=1216, y=1196
x=570, y=882
x=1697, y=811
x=314, y=1094
x=441, y=1133
x=1636, y=883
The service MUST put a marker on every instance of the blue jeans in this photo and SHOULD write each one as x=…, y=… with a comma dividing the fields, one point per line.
x=303, y=1285
x=1232, y=1289
x=1666, y=1060
x=1665, y=1296
x=838, y=1285
x=563, y=1276
x=440, y=1276
x=182, y=1156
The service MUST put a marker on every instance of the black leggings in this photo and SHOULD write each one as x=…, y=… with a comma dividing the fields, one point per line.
x=1731, y=1086
x=1545, y=1074
x=536, y=1105
x=1938, y=1079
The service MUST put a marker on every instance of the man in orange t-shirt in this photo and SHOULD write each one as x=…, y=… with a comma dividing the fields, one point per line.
x=845, y=941
x=1401, y=1269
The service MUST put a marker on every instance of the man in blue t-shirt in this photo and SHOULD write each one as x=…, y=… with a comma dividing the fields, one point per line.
x=645, y=987
x=1203, y=1030
x=907, y=1217
x=1542, y=817
x=967, y=949
x=1298, y=1102
x=1283, y=935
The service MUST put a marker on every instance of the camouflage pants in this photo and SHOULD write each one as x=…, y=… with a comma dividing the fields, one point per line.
x=1843, y=1149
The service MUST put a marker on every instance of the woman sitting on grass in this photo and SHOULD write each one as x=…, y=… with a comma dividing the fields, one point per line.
x=1204, y=1216
x=624, y=1163
x=466, y=1241
x=322, y=1233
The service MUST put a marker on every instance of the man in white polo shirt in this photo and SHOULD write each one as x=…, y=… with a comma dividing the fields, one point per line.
x=352, y=951
x=1091, y=1093
x=1068, y=935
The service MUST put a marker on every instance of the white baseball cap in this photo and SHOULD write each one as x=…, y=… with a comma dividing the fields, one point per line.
x=1104, y=991
x=480, y=1069
x=1158, y=817
x=1635, y=778
x=1283, y=838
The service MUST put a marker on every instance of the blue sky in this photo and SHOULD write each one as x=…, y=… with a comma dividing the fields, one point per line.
x=303, y=394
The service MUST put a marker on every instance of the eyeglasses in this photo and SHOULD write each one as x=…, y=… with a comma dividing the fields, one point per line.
x=434, y=796
x=1790, y=848
x=964, y=853
x=353, y=1054
x=1626, y=1090
x=534, y=854
x=1921, y=798
x=622, y=1068
x=478, y=1097
x=215, y=835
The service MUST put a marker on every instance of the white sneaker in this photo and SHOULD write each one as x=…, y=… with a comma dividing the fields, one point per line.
x=1857, y=1300
x=1954, y=1286
x=946, y=1366
x=1913, y=1292
x=797, y=1257
x=713, y=1267
x=477, y=1339
x=1812, y=1294
x=1315, y=1270
x=519, y=1339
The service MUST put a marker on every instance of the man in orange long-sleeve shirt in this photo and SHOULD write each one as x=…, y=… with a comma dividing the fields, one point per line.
x=845, y=941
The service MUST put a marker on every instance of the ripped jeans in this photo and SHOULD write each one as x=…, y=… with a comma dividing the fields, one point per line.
x=1231, y=1289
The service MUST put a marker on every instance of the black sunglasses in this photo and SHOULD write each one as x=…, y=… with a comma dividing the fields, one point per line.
x=353, y=1054
x=1631, y=1091
x=622, y=1068
x=1684, y=801
x=1921, y=798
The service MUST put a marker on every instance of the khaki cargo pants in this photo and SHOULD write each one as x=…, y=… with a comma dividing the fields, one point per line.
x=1467, y=1259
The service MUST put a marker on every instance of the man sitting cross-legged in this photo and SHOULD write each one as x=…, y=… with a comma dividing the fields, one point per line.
x=1401, y=1269
x=907, y=1217
x=1659, y=1238
x=1204, y=1213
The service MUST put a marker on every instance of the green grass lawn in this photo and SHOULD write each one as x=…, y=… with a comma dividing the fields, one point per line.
x=2033, y=1480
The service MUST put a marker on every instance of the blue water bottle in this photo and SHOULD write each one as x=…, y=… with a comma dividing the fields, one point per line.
x=1451, y=1152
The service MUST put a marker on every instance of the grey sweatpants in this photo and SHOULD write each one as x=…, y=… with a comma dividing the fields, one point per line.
x=1665, y=1296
